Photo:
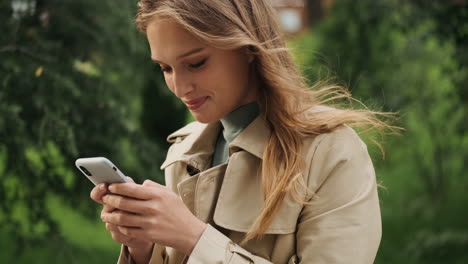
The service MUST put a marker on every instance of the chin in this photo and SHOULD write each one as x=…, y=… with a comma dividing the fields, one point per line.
x=205, y=119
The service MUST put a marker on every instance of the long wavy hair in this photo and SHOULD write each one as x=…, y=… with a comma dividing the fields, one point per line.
x=285, y=98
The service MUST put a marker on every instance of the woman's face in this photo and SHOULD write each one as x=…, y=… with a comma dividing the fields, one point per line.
x=211, y=82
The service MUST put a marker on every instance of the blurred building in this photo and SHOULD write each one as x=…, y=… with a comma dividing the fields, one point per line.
x=292, y=15
x=296, y=16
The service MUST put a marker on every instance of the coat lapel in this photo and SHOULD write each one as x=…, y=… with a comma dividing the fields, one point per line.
x=240, y=199
x=193, y=144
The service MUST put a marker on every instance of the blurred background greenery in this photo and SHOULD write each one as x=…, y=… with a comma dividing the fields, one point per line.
x=76, y=80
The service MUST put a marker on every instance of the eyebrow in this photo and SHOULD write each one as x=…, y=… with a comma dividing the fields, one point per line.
x=191, y=52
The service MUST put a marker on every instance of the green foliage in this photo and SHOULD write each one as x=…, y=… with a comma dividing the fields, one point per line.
x=72, y=76
x=76, y=80
x=395, y=55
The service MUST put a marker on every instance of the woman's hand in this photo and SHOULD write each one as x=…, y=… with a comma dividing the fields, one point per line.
x=133, y=243
x=98, y=191
x=152, y=212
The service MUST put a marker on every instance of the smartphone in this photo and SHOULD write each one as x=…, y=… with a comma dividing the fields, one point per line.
x=100, y=170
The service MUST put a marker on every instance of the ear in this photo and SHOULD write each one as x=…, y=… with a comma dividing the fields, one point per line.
x=250, y=57
x=248, y=51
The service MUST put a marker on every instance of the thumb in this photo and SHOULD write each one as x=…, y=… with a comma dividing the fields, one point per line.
x=151, y=183
x=130, y=179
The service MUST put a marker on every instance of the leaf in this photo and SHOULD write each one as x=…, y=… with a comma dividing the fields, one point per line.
x=39, y=71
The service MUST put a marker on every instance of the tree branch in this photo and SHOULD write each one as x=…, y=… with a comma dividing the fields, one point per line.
x=25, y=51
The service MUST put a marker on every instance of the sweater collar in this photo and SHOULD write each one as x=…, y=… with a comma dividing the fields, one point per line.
x=234, y=122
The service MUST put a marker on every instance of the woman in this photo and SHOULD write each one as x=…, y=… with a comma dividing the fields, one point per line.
x=268, y=174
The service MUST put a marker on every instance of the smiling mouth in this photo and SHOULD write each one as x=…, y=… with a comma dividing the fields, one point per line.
x=197, y=103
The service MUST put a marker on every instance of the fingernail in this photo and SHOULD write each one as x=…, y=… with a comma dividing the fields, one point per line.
x=102, y=187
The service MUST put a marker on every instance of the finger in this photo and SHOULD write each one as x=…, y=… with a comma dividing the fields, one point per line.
x=108, y=208
x=98, y=191
x=122, y=218
x=151, y=183
x=133, y=190
x=135, y=232
x=126, y=203
x=109, y=227
x=130, y=179
x=123, y=239
x=116, y=234
x=112, y=228
x=120, y=238
x=128, y=241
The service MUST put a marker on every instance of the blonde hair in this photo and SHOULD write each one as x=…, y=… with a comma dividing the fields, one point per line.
x=284, y=96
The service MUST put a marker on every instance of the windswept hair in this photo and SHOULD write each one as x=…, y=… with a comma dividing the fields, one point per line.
x=285, y=98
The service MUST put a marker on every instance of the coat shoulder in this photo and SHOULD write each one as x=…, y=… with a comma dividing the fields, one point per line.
x=335, y=149
x=342, y=140
x=342, y=143
x=183, y=132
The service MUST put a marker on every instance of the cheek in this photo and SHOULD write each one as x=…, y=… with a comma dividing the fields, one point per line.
x=206, y=81
x=234, y=81
x=224, y=81
x=169, y=83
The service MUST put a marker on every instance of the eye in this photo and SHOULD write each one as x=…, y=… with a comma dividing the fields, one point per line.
x=198, y=64
x=166, y=69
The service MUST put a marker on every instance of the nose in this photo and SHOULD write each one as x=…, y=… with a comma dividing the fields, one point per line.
x=181, y=84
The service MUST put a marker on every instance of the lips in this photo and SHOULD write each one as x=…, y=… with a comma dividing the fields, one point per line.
x=197, y=103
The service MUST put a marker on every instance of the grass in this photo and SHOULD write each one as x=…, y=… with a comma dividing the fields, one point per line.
x=80, y=240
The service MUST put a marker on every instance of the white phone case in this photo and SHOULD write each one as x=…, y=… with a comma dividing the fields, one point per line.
x=99, y=170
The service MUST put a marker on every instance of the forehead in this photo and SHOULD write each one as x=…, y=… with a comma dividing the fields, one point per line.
x=168, y=40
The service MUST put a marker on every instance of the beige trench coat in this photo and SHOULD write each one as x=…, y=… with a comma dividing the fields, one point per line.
x=342, y=225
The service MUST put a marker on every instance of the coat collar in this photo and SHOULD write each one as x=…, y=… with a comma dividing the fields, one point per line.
x=195, y=143
x=238, y=180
